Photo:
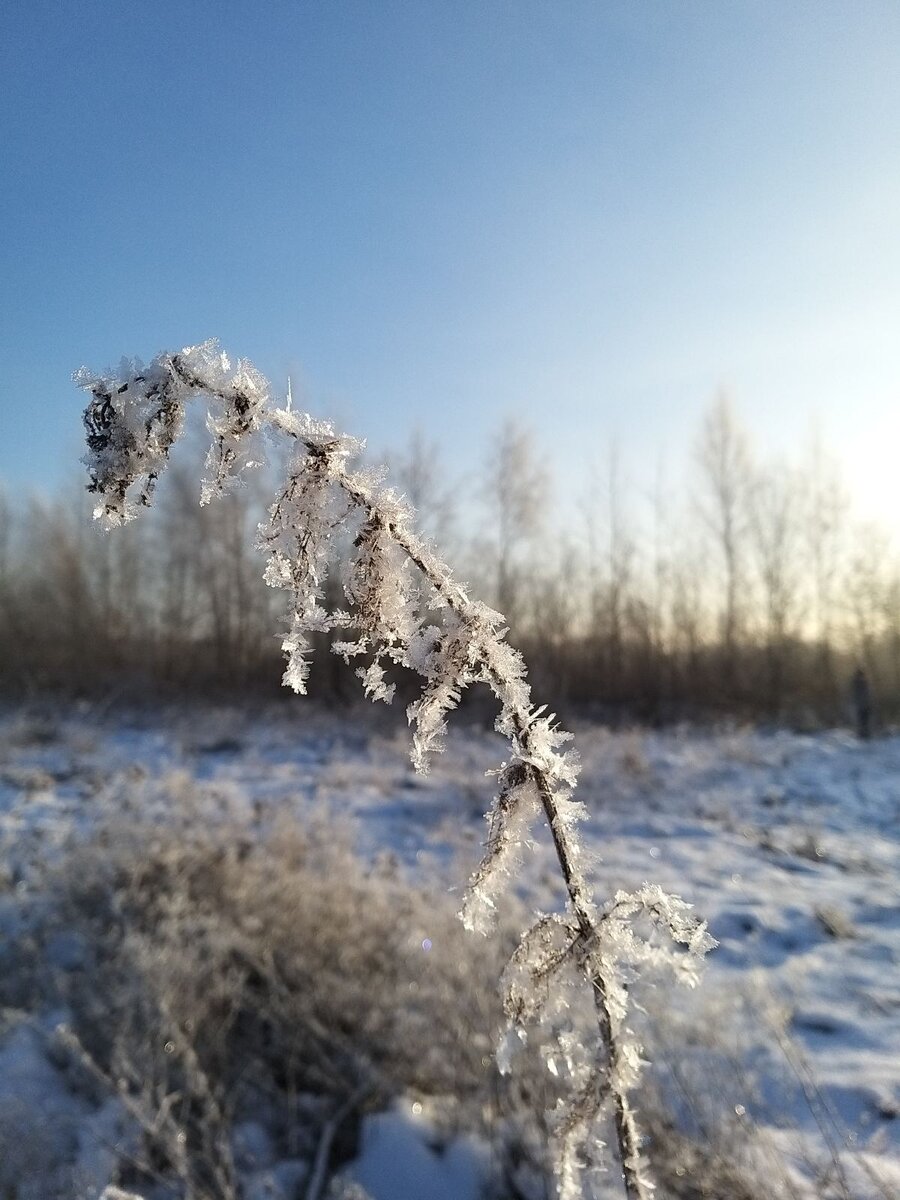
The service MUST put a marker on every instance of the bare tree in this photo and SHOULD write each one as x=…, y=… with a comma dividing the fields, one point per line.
x=649, y=655
x=554, y=595
x=891, y=622
x=661, y=566
x=611, y=556
x=229, y=581
x=11, y=631
x=516, y=496
x=179, y=536
x=690, y=618
x=867, y=591
x=724, y=459
x=775, y=526
x=827, y=509
x=419, y=472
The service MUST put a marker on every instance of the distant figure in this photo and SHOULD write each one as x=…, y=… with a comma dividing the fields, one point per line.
x=862, y=704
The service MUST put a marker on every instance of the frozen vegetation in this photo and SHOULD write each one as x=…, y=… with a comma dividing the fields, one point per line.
x=231, y=964
x=399, y=612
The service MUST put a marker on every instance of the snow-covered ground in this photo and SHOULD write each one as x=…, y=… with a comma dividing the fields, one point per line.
x=789, y=845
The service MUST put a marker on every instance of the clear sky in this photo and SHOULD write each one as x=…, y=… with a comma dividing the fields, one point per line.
x=439, y=212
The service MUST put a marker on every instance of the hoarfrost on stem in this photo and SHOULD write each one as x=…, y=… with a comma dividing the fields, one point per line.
x=404, y=609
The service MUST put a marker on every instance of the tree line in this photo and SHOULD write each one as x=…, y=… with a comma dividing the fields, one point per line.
x=751, y=590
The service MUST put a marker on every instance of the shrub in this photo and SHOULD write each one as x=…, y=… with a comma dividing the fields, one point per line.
x=225, y=977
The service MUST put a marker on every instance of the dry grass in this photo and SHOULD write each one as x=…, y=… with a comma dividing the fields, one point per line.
x=230, y=969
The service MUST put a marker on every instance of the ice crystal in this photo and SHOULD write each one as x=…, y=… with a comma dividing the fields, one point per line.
x=405, y=610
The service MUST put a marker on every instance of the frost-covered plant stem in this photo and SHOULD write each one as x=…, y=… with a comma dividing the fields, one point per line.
x=406, y=610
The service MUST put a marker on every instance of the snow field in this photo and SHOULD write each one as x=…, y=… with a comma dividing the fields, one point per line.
x=784, y=1066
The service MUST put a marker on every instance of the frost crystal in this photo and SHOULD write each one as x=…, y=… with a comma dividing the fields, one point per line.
x=405, y=610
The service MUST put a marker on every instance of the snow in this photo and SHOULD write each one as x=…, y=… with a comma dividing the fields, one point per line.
x=789, y=845
x=395, y=1160
x=51, y=1140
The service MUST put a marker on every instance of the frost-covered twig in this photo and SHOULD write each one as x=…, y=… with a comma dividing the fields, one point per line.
x=404, y=609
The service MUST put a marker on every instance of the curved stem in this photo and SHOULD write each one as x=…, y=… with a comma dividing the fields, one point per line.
x=433, y=571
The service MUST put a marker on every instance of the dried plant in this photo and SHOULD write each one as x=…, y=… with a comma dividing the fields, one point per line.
x=405, y=610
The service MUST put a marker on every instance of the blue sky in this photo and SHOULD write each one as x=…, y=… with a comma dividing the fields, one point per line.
x=592, y=215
